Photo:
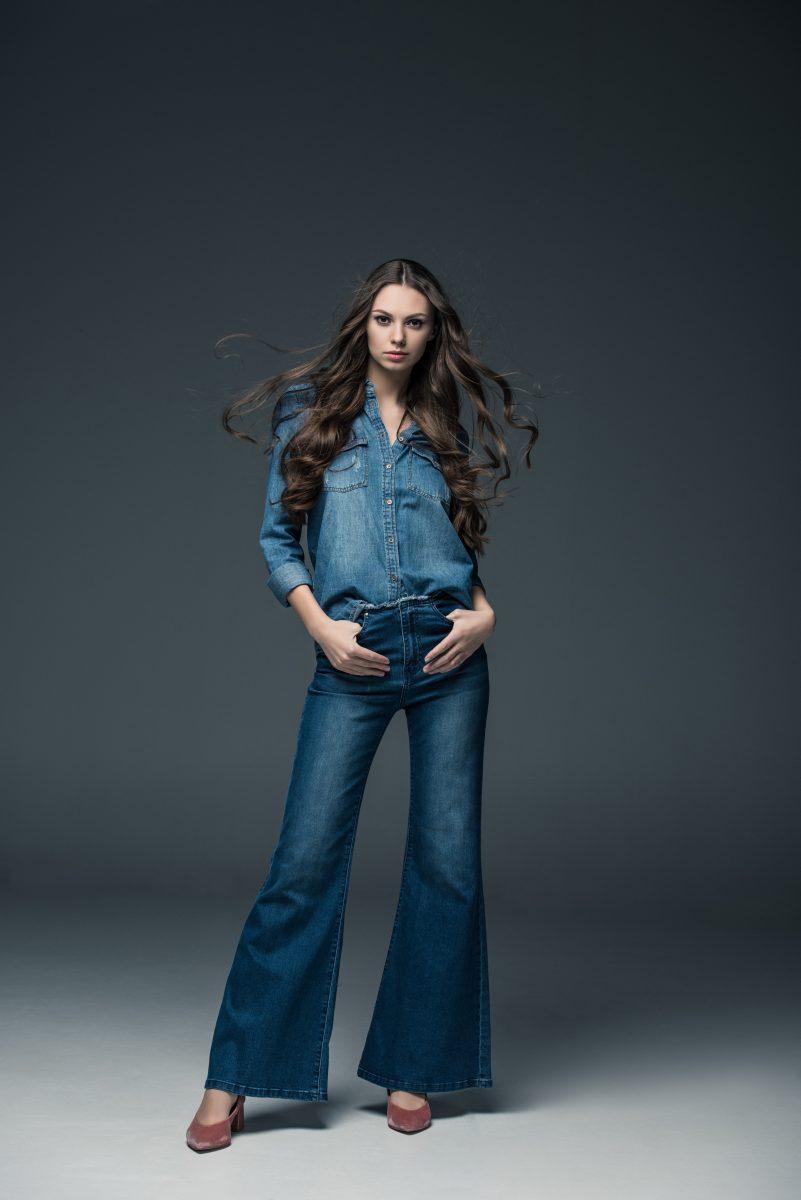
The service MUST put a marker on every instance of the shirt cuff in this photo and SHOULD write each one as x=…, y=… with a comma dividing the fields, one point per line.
x=287, y=576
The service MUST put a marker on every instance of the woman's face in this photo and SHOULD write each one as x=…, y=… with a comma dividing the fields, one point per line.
x=401, y=319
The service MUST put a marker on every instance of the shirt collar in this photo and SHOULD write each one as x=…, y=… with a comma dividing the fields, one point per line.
x=412, y=431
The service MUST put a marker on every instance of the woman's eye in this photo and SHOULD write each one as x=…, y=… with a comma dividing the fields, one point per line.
x=415, y=321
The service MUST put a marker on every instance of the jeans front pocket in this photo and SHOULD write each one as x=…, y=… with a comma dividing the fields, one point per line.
x=436, y=606
x=363, y=622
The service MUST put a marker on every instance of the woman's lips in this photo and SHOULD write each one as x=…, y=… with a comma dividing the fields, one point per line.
x=395, y=353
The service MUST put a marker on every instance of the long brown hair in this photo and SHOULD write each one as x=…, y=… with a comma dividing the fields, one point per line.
x=336, y=375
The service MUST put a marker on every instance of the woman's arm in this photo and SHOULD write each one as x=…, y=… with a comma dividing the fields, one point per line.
x=304, y=602
x=477, y=581
x=279, y=538
x=481, y=603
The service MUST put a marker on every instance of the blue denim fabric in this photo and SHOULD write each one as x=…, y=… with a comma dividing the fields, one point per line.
x=380, y=528
x=430, y=1028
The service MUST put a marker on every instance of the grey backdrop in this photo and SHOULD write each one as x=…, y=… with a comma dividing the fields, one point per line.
x=610, y=194
x=612, y=203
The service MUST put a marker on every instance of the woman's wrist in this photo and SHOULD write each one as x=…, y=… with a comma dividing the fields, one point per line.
x=314, y=619
x=480, y=601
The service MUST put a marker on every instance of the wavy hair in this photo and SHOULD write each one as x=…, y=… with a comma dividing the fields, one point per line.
x=336, y=377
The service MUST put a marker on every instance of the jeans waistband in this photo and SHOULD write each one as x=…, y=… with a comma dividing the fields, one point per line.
x=358, y=607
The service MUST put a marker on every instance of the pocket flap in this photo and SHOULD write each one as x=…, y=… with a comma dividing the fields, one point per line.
x=348, y=455
x=426, y=452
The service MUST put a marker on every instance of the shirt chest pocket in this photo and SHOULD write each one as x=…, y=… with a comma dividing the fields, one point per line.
x=348, y=468
x=425, y=473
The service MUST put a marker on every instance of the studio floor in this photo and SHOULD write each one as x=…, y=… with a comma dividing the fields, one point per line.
x=630, y=1063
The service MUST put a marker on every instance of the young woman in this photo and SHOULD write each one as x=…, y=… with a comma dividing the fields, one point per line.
x=369, y=452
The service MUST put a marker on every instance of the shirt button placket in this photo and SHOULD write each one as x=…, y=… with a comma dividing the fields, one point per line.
x=390, y=528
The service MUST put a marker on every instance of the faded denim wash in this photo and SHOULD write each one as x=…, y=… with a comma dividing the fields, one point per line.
x=387, y=557
x=430, y=1028
x=380, y=527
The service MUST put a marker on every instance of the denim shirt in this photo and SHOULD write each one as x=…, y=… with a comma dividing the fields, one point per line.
x=380, y=527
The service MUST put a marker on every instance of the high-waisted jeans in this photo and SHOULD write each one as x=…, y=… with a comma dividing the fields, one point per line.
x=430, y=1028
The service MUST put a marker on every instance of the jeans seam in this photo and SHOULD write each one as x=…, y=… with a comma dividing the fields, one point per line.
x=480, y=972
x=228, y=1085
x=440, y=613
x=404, y=625
x=338, y=933
x=440, y=1085
x=396, y=922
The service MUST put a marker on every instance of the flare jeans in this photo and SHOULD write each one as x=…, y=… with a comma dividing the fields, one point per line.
x=430, y=1027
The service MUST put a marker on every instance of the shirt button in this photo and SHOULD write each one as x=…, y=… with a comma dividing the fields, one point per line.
x=389, y=501
x=393, y=577
x=388, y=466
x=390, y=539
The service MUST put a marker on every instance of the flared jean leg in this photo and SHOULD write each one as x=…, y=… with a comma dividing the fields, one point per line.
x=430, y=1028
x=274, y=1024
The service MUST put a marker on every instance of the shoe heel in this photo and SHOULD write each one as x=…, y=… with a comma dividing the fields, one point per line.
x=238, y=1123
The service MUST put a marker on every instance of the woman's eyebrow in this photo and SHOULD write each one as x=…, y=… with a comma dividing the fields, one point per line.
x=389, y=314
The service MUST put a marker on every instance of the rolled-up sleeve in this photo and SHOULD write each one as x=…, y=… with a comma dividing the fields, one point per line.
x=278, y=537
x=476, y=581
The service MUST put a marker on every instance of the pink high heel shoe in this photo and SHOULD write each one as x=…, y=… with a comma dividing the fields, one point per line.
x=408, y=1120
x=216, y=1137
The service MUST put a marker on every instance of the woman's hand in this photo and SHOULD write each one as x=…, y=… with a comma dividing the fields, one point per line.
x=471, y=627
x=338, y=640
